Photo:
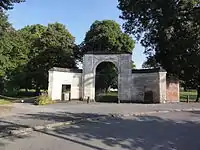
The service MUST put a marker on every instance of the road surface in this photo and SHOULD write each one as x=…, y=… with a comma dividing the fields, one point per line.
x=161, y=131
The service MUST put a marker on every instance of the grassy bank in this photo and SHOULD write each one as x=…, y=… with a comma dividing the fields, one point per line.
x=192, y=95
x=4, y=102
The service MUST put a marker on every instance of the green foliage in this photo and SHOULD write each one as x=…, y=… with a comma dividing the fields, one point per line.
x=13, y=53
x=51, y=46
x=26, y=55
x=43, y=100
x=106, y=76
x=133, y=65
x=8, y=4
x=106, y=36
x=150, y=63
x=170, y=33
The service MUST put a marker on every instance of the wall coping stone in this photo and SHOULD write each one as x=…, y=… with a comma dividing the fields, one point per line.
x=66, y=70
x=154, y=70
x=106, y=53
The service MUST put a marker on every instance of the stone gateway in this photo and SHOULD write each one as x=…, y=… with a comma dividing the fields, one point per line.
x=134, y=85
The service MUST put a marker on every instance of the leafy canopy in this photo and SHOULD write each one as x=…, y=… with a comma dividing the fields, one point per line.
x=169, y=30
x=107, y=36
x=51, y=46
x=8, y=4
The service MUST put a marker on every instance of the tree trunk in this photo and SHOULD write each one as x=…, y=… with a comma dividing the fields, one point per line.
x=37, y=90
x=107, y=88
x=185, y=88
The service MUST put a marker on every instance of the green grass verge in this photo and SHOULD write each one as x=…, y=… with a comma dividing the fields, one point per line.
x=110, y=97
x=192, y=96
x=4, y=101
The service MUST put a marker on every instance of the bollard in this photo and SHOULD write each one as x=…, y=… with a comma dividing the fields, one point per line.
x=88, y=100
x=118, y=101
x=188, y=98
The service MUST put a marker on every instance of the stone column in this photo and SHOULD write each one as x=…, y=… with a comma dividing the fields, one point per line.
x=125, y=78
x=88, y=78
x=50, y=84
x=162, y=86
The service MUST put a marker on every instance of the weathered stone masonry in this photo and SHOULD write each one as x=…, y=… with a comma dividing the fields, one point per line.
x=148, y=85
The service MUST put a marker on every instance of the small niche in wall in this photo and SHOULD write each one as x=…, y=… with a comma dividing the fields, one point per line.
x=148, y=97
x=66, y=92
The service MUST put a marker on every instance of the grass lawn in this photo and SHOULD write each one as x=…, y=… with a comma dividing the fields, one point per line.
x=192, y=95
x=4, y=101
x=110, y=97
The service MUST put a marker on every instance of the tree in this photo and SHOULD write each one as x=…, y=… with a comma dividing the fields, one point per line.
x=133, y=65
x=55, y=48
x=8, y=4
x=106, y=76
x=31, y=34
x=106, y=36
x=170, y=32
x=13, y=53
x=150, y=63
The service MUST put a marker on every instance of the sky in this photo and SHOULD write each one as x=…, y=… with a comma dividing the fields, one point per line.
x=76, y=15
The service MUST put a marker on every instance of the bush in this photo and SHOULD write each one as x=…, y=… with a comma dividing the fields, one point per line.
x=43, y=100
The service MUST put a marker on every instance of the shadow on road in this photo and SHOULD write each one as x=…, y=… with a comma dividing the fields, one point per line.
x=195, y=112
x=60, y=116
x=142, y=133
x=145, y=133
x=5, y=127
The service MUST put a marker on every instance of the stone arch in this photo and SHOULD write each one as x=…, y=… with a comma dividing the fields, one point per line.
x=95, y=69
x=102, y=61
x=123, y=63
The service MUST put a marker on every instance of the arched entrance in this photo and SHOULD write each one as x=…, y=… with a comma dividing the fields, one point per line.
x=106, y=83
x=123, y=63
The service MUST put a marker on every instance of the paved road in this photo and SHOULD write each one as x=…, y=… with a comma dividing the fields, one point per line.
x=162, y=131
x=30, y=115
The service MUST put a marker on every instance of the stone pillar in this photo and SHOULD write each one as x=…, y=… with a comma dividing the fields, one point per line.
x=125, y=78
x=88, y=78
x=162, y=87
x=50, y=84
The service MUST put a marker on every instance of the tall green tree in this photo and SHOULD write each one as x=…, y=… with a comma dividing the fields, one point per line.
x=55, y=49
x=170, y=32
x=13, y=52
x=8, y=4
x=150, y=63
x=106, y=36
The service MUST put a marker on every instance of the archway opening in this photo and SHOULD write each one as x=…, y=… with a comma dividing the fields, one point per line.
x=106, y=83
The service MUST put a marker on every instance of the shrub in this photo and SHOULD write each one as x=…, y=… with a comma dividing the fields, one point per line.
x=43, y=100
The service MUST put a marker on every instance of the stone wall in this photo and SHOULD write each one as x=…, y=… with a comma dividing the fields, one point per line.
x=143, y=85
x=60, y=76
x=149, y=85
x=172, y=92
x=145, y=82
x=121, y=61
